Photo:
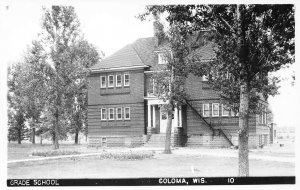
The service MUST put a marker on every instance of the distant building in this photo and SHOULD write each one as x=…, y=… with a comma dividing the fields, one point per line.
x=124, y=111
x=285, y=133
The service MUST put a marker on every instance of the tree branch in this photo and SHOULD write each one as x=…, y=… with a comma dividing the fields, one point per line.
x=227, y=24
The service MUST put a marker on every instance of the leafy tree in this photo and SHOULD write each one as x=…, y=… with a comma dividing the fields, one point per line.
x=61, y=30
x=34, y=85
x=16, y=103
x=50, y=85
x=83, y=55
x=249, y=42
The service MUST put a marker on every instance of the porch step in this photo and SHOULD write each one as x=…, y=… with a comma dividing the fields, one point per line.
x=157, y=140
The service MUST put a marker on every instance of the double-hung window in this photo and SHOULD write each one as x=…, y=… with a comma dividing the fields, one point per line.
x=126, y=79
x=127, y=113
x=204, y=78
x=118, y=81
x=162, y=58
x=110, y=80
x=205, y=110
x=111, y=113
x=215, y=110
x=103, y=81
x=265, y=115
x=103, y=114
x=225, y=110
x=119, y=113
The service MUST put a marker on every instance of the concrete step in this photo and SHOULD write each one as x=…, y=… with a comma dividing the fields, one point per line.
x=157, y=140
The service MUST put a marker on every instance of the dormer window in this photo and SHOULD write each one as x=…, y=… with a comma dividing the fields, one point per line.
x=163, y=57
x=204, y=78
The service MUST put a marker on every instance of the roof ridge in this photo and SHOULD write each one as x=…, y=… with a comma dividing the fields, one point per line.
x=137, y=53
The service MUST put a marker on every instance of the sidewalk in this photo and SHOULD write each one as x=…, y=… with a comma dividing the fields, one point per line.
x=197, y=152
x=229, y=153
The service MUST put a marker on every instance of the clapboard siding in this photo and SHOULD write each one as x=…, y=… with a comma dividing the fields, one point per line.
x=134, y=126
x=117, y=95
x=196, y=89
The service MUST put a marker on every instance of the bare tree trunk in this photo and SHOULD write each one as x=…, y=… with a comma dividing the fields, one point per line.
x=76, y=136
x=244, y=99
x=56, y=133
x=19, y=135
x=33, y=136
x=244, y=131
x=168, y=131
x=41, y=139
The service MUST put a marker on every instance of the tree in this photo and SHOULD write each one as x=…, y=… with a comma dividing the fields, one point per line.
x=16, y=103
x=249, y=42
x=83, y=55
x=169, y=79
x=61, y=30
x=35, y=68
x=49, y=86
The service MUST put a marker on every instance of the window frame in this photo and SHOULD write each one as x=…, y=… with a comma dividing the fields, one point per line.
x=108, y=81
x=125, y=118
x=204, y=111
x=117, y=113
x=160, y=60
x=120, y=85
x=101, y=86
x=125, y=79
x=212, y=109
x=102, y=119
x=104, y=141
x=109, y=113
x=204, y=78
x=223, y=109
x=266, y=116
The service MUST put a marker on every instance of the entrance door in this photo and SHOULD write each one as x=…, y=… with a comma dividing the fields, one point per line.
x=164, y=120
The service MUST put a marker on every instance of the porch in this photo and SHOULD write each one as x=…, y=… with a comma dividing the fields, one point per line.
x=157, y=117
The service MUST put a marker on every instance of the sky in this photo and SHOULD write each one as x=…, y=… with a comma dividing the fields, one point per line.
x=110, y=26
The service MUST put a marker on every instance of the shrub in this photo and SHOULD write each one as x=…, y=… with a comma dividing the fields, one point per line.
x=47, y=153
x=126, y=155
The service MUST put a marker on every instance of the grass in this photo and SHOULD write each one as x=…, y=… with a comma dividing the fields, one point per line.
x=48, y=153
x=161, y=165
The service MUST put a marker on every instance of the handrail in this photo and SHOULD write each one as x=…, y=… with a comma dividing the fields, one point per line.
x=208, y=124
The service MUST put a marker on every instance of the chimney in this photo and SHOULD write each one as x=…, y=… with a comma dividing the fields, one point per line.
x=158, y=30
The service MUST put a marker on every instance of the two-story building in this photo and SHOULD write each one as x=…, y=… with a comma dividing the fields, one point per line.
x=124, y=111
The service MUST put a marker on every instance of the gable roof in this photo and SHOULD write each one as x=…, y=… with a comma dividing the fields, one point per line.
x=141, y=53
x=125, y=57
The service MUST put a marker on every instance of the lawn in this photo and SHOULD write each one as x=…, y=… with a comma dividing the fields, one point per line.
x=184, y=162
x=24, y=150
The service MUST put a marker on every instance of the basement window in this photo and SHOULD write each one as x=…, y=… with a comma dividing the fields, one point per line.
x=104, y=142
